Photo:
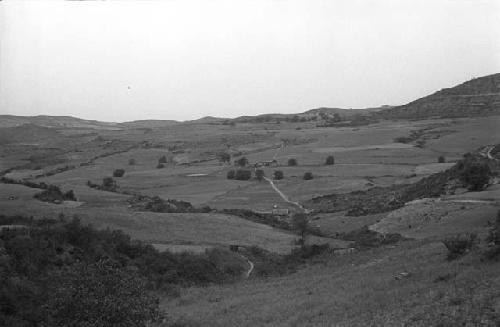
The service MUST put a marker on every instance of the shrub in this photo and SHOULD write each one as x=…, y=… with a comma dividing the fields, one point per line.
x=108, y=184
x=243, y=174
x=292, y=162
x=460, y=244
x=308, y=176
x=118, y=172
x=259, y=174
x=494, y=240
x=231, y=174
x=330, y=160
x=131, y=161
x=224, y=157
x=242, y=162
x=278, y=174
x=54, y=194
x=301, y=224
x=441, y=159
x=476, y=175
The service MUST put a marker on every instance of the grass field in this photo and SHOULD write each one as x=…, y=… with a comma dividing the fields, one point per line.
x=361, y=289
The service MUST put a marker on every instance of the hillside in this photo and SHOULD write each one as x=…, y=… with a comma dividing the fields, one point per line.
x=26, y=133
x=54, y=122
x=477, y=97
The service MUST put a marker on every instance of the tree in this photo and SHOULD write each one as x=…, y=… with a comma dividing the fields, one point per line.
x=300, y=224
x=243, y=174
x=118, y=172
x=259, y=174
x=242, y=162
x=476, y=175
x=224, y=157
x=163, y=160
x=441, y=159
x=308, y=176
x=108, y=184
x=231, y=174
x=292, y=162
x=160, y=165
x=330, y=160
x=131, y=161
x=278, y=174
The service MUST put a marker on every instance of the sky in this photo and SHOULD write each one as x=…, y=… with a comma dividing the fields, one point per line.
x=184, y=59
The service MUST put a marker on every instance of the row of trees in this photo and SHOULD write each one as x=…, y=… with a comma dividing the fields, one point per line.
x=245, y=174
x=243, y=161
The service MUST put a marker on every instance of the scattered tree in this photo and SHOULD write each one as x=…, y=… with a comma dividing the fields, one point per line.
x=118, y=173
x=242, y=162
x=441, y=159
x=300, y=224
x=259, y=174
x=108, y=184
x=308, y=176
x=278, y=174
x=460, y=244
x=476, y=175
x=243, y=174
x=231, y=174
x=493, y=239
x=292, y=162
x=330, y=160
x=224, y=157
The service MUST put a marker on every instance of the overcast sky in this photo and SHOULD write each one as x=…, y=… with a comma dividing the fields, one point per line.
x=127, y=60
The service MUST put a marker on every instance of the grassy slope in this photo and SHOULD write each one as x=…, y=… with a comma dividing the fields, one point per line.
x=356, y=290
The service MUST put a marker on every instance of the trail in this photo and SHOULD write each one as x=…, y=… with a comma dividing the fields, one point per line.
x=283, y=196
x=250, y=264
x=277, y=190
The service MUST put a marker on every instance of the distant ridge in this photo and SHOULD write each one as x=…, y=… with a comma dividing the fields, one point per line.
x=477, y=97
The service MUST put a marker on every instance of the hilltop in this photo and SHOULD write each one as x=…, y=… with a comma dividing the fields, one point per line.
x=477, y=97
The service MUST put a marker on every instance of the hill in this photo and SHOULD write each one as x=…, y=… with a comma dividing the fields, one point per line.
x=54, y=122
x=26, y=133
x=477, y=97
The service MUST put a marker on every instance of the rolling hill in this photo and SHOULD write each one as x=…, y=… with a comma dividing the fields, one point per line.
x=477, y=97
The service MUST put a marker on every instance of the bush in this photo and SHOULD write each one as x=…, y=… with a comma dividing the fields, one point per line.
x=131, y=162
x=441, y=159
x=231, y=174
x=259, y=174
x=278, y=174
x=330, y=160
x=476, y=175
x=242, y=162
x=54, y=194
x=243, y=174
x=292, y=162
x=460, y=244
x=493, y=240
x=224, y=157
x=308, y=176
x=108, y=184
x=118, y=173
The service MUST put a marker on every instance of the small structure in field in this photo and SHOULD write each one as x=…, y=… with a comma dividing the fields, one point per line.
x=271, y=163
x=280, y=211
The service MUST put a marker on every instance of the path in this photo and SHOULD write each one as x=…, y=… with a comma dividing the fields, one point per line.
x=283, y=196
x=250, y=264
